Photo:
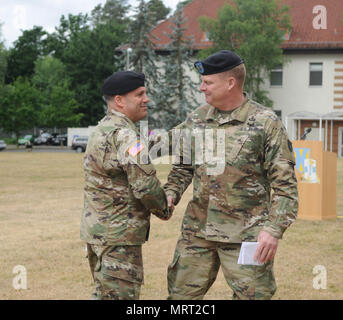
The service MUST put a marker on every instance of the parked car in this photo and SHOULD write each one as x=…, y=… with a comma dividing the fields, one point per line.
x=80, y=144
x=22, y=141
x=3, y=145
x=60, y=139
x=44, y=138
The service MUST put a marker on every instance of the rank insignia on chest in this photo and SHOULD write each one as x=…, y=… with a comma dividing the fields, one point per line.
x=135, y=149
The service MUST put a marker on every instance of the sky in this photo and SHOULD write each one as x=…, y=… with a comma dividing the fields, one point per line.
x=17, y=15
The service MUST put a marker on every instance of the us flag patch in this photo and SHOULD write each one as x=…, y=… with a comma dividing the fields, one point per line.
x=135, y=149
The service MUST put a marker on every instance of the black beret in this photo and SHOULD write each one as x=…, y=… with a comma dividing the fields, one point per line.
x=221, y=61
x=123, y=82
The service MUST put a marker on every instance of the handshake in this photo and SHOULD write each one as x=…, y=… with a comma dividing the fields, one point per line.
x=171, y=206
x=167, y=213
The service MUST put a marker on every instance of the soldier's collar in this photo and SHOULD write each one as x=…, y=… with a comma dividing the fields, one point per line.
x=111, y=112
x=240, y=113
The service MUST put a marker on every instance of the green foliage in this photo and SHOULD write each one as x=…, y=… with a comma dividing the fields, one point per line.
x=89, y=60
x=143, y=57
x=113, y=11
x=49, y=71
x=58, y=104
x=176, y=89
x=61, y=111
x=254, y=29
x=87, y=53
x=19, y=106
x=27, y=49
x=79, y=54
x=9, y=141
x=69, y=28
x=3, y=60
x=158, y=11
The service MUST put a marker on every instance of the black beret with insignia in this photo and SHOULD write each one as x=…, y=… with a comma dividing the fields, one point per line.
x=123, y=82
x=218, y=62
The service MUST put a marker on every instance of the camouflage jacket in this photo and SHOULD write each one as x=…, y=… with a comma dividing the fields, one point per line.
x=120, y=190
x=256, y=187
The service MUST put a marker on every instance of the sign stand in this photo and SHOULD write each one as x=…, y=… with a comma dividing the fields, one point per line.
x=316, y=172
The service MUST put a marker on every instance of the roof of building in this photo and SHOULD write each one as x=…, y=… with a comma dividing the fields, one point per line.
x=302, y=36
x=303, y=115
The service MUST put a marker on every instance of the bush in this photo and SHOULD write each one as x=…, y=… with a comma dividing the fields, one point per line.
x=9, y=140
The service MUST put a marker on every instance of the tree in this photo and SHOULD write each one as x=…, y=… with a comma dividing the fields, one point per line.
x=143, y=57
x=48, y=72
x=177, y=90
x=27, y=49
x=61, y=110
x=58, y=104
x=158, y=11
x=3, y=59
x=89, y=60
x=69, y=28
x=87, y=53
x=113, y=11
x=254, y=29
x=19, y=106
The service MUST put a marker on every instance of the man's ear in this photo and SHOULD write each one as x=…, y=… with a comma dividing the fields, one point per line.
x=119, y=101
x=231, y=82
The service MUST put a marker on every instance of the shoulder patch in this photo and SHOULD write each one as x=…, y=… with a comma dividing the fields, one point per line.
x=135, y=149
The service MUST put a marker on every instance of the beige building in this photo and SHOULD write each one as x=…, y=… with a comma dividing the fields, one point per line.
x=308, y=90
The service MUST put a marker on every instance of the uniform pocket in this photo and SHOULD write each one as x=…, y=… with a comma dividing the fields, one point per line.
x=264, y=270
x=235, y=148
x=265, y=285
x=172, y=270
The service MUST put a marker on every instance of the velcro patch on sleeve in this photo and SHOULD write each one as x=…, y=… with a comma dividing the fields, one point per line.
x=135, y=149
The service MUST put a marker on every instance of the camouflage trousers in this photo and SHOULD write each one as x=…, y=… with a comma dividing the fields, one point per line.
x=195, y=267
x=117, y=271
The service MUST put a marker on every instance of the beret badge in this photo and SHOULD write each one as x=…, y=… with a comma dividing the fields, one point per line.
x=199, y=67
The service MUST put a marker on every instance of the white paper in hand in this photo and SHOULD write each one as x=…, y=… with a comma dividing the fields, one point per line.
x=246, y=255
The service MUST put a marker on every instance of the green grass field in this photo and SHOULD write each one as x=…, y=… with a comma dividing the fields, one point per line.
x=41, y=200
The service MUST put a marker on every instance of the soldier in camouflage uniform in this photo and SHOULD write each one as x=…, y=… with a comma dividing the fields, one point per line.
x=121, y=191
x=252, y=198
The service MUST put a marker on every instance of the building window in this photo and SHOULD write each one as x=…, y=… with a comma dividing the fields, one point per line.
x=276, y=76
x=205, y=36
x=287, y=34
x=316, y=74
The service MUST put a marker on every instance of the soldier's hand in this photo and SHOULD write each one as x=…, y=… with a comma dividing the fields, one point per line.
x=267, y=247
x=171, y=205
x=164, y=215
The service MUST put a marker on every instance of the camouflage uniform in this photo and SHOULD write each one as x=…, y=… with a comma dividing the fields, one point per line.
x=257, y=190
x=121, y=191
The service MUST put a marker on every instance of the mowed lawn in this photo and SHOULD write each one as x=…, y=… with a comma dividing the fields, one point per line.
x=41, y=200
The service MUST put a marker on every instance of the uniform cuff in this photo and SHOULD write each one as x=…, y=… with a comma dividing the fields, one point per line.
x=171, y=193
x=274, y=230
